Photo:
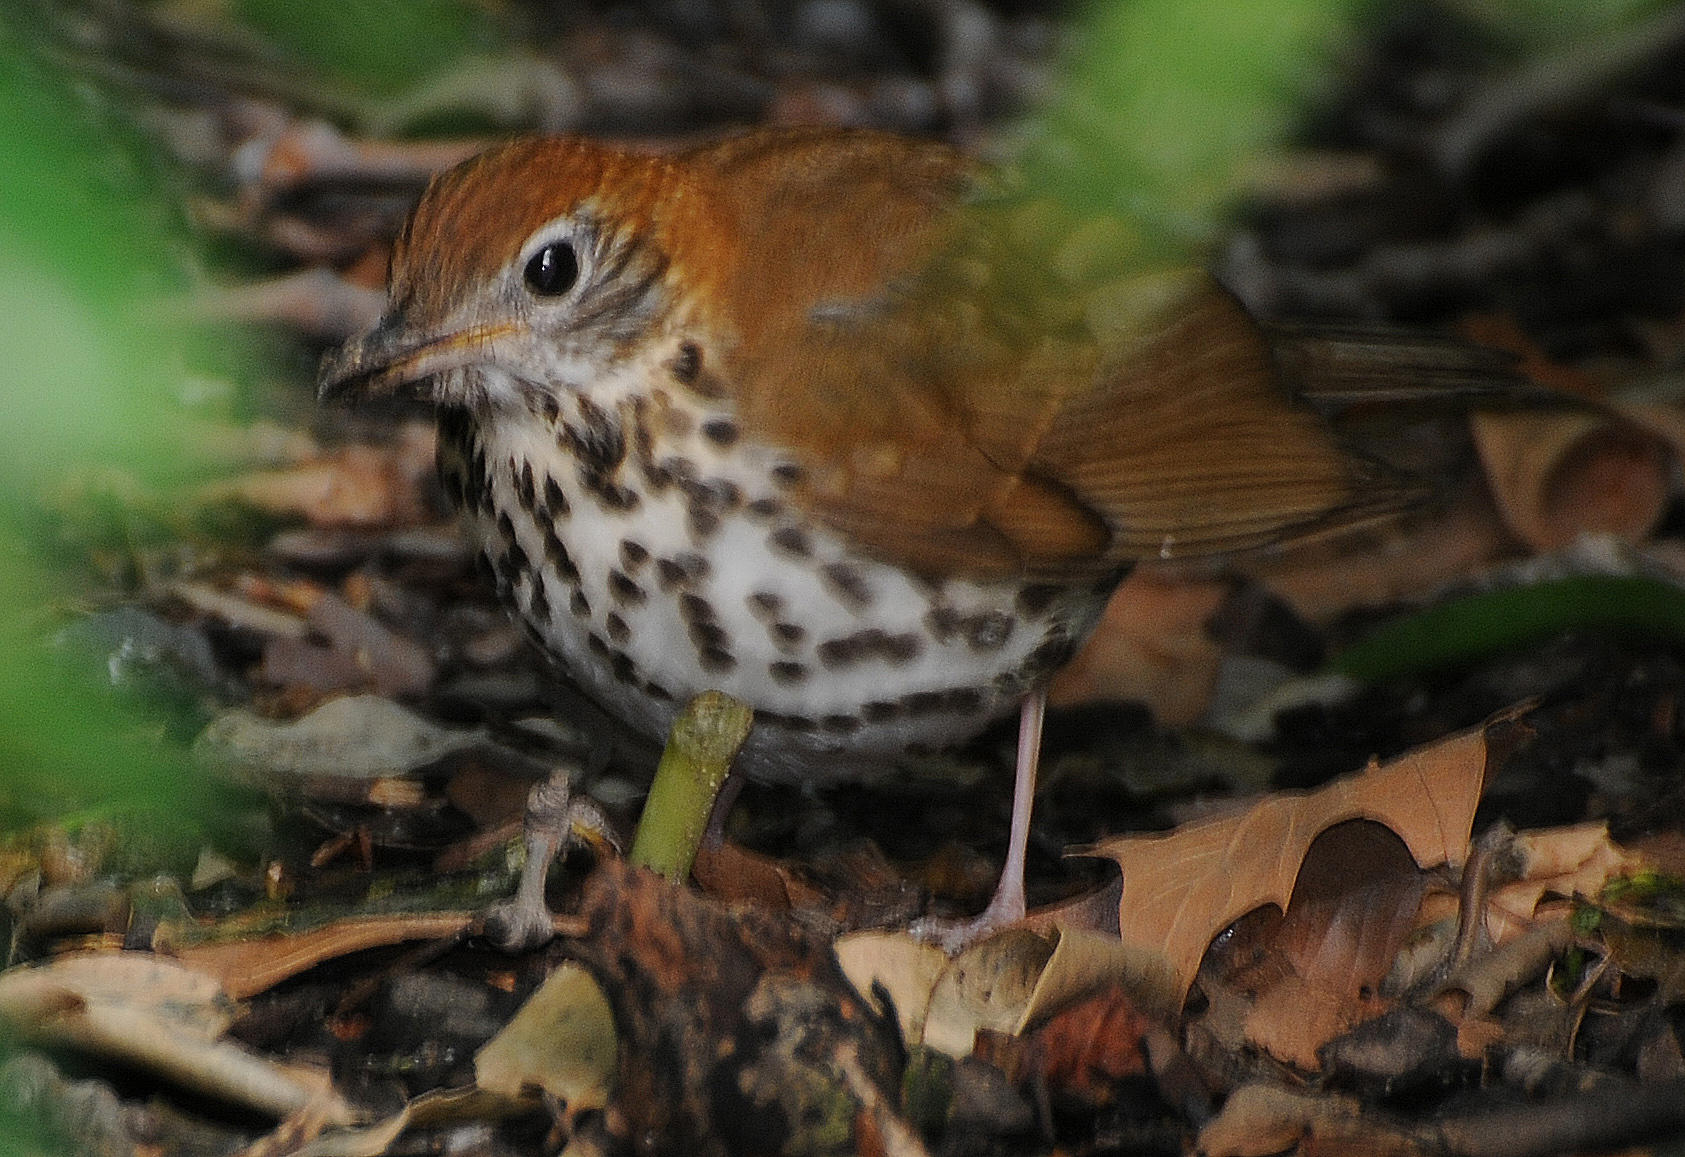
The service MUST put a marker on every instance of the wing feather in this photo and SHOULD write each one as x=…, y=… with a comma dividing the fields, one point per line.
x=961, y=407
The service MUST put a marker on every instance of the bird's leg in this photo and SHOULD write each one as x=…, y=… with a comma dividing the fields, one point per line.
x=1007, y=906
x=553, y=812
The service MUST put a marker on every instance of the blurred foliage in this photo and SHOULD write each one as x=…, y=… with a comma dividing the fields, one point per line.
x=1551, y=25
x=87, y=248
x=1165, y=103
x=1477, y=626
x=375, y=45
x=24, y=1134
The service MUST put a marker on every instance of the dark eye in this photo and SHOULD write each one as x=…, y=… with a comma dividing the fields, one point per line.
x=552, y=271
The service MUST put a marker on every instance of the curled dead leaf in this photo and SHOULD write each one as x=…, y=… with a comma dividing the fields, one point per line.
x=1557, y=476
x=1181, y=889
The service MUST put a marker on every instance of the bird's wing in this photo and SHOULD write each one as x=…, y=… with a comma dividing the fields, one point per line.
x=962, y=405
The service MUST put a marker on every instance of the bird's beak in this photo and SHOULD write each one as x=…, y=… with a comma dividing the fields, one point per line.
x=395, y=354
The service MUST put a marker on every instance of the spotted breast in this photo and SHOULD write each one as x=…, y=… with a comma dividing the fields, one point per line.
x=655, y=551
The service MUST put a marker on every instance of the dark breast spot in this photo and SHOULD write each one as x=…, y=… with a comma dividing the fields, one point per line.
x=625, y=670
x=764, y=604
x=1050, y=654
x=764, y=509
x=538, y=608
x=517, y=560
x=716, y=660
x=596, y=438
x=788, y=722
x=643, y=436
x=943, y=623
x=989, y=631
x=785, y=672
x=703, y=522
x=555, y=501
x=580, y=605
x=720, y=494
x=721, y=432
x=709, y=636
x=686, y=364
x=693, y=608
x=610, y=494
x=681, y=570
x=787, y=474
x=900, y=649
x=786, y=635
x=624, y=590
x=525, y=492
x=922, y=702
x=843, y=652
x=847, y=583
x=556, y=555
x=791, y=541
x=618, y=631
x=1036, y=598
x=840, y=724
x=897, y=649
x=1009, y=684
x=633, y=555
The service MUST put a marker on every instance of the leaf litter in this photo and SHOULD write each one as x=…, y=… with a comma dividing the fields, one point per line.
x=1327, y=966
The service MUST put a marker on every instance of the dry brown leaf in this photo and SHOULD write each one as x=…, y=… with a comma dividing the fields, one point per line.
x=361, y=651
x=356, y=737
x=1353, y=906
x=1296, y=1017
x=1181, y=889
x=435, y=1107
x=1005, y=984
x=734, y=874
x=1666, y=420
x=988, y=986
x=561, y=1041
x=906, y=968
x=1151, y=646
x=1557, y=476
x=1579, y=859
x=356, y=485
x=159, y=1016
x=1259, y=1119
x=1576, y=860
x=247, y=967
x=1084, y=1051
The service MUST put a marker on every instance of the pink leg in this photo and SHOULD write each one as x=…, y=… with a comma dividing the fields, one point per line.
x=1007, y=906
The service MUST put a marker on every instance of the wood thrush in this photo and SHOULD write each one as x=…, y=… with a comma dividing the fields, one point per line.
x=826, y=420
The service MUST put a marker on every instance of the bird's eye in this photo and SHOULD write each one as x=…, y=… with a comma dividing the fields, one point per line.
x=552, y=271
